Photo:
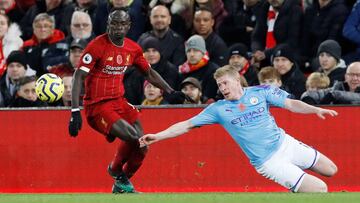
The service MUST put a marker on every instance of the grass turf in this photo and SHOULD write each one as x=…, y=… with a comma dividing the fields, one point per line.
x=182, y=197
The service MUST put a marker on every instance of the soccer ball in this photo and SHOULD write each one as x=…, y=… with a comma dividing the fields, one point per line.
x=49, y=87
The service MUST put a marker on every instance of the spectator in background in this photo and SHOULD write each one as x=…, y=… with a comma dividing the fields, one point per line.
x=171, y=44
x=270, y=76
x=279, y=22
x=45, y=47
x=86, y=6
x=133, y=7
x=203, y=26
x=323, y=20
x=81, y=27
x=54, y=8
x=240, y=23
x=25, y=94
x=153, y=95
x=9, y=40
x=66, y=98
x=68, y=68
x=293, y=80
x=12, y=10
x=329, y=53
x=16, y=69
x=239, y=59
x=347, y=92
x=192, y=88
x=315, y=81
x=199, y=66
x=351, y=31
x=178, y=23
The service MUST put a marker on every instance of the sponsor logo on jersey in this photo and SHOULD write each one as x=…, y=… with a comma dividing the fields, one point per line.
x=87, y=58
x=248, y=117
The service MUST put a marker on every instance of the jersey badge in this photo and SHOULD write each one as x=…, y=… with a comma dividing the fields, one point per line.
x=87, y=58
x=254, y=100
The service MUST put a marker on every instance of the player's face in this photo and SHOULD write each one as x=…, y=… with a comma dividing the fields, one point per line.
x=194, y=56
x=282, y=64
x=152, y=55
x=327, y=62
x=27, y=91
x=229, y=86
x=192, y=91
x=160, y=18
x=203, y=22
x=118, y=25
x=237, y=61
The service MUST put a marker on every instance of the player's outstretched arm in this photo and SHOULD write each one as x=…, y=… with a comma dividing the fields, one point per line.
x=76, y=120
x=302, y=107
x=173, y=131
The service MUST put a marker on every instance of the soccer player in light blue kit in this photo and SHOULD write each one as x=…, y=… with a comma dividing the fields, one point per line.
x=244, y=113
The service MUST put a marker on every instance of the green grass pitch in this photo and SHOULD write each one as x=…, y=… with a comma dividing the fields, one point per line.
x=344, y=197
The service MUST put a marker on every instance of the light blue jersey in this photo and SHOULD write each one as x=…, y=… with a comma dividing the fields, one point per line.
x=249, y=121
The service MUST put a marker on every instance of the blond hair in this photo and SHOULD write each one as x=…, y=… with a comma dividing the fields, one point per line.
x=226, y=70
x=318, y=81
x=268, y=72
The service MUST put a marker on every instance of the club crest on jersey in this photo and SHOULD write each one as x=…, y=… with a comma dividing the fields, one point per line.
x=127, y=61
x=87, y=58
x=119, y=59
x=254, y=100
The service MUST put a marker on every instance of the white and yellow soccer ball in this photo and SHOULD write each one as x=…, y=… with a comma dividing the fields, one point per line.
x=49, y=87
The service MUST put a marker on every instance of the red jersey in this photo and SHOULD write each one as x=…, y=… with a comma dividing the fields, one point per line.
x=106, y=64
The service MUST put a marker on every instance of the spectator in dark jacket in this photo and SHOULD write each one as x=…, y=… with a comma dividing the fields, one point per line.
x=171, y=44
x=134, y=8
x=279, y=22
x=87, y=6
x=347, y=92
x=240, y=23
x=293, y=80
x=351, y=31
x=199, y=66
x=203, y=26
x=239, y=59
x=44, y=48
x=323, y=20
x=329, y=53
x=52, y=8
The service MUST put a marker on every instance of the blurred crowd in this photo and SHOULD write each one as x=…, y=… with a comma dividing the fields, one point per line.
x=310, y=48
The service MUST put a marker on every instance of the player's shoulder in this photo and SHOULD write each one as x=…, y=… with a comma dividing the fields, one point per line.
x=99, y=40
x=258, y=88
x=131, y=43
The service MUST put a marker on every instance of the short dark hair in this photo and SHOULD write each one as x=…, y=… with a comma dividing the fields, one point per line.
x=25, y=80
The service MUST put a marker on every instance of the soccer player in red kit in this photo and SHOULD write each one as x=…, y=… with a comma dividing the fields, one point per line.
x=102, y=66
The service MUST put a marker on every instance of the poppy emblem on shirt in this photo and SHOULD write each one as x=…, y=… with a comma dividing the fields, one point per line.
x=119, y=59
x=254, y=100
x=87, y=58
x=242, y=107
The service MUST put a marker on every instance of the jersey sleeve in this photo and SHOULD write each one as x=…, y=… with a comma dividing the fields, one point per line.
x=276, y=96
x=206, y=117
x=90, y=56
x=140, y=61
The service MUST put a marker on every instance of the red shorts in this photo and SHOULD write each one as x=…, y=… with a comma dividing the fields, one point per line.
x=102, y=115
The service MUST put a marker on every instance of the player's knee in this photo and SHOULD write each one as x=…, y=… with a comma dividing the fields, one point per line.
x=321, y=187
x=333, y=170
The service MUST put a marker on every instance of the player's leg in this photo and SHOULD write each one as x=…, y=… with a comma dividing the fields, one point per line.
x=123, y=130
x=137, y=155
x=324, y=166
x=312, y=184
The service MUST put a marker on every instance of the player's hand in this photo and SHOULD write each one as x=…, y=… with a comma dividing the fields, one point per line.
x=147, y=140
x=175, y=97
x=322, y=112
x=75, y=123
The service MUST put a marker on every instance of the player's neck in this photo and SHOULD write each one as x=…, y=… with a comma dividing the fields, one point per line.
x=117, y=41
